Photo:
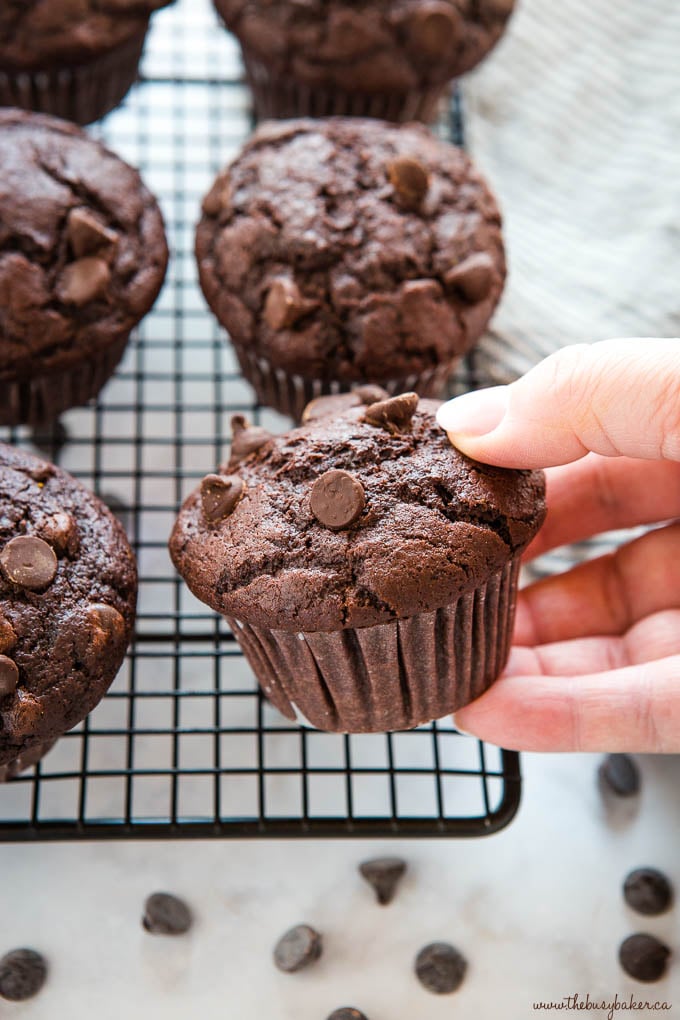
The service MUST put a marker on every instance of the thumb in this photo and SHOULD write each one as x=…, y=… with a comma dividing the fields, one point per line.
x=615, y=398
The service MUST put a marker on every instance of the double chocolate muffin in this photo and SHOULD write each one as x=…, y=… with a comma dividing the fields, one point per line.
x=71, y=58
x=348, y=251
x=82, y=258
x=68, y=589
x=360, y=58
x=367, y=568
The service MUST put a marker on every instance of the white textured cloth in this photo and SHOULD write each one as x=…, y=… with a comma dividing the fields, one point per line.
x=575, y=119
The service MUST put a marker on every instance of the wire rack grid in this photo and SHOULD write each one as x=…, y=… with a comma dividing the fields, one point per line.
x=184, y=744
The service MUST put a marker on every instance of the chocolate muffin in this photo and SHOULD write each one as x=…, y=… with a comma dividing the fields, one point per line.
x=367, y=568
x=82, y=258
x=68, y=588
x=348, y=251
x=71, y=58
x=361, y=58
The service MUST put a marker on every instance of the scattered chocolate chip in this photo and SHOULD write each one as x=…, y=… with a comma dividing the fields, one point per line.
x=384, y=874
x=83, y=281
x=61, y=531
x=165, y=914
x=370, y=394
x=297, y=949
x=106, y=624
x=246, y=438
x=285, y=304
x=87, y=235
x=337, y=499
x=434, y=28
x=472, y=278
x=29, y=562
x=440, y=968
x=8, y=638
x=329, y=406
x=347, y=1013
x=9, y=676
x=410, y=180
x=219, y=496
x=22, y=974
x=394, y=414
x=644, y=957
x=648, y=891
x=51, y=438
x=500, y=8
x=619, y=775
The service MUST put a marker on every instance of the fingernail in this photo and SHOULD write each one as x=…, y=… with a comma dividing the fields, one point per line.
x=476, y=413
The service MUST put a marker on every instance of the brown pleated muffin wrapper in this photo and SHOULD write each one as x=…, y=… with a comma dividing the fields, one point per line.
x=277, y=97
x=393, y=676
x=289, y=394
x=42, y=398
x=25, y=760
x=81, y=94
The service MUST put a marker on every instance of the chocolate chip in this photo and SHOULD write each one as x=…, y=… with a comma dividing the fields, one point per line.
x=86, y=234
x=8, y=638
x=619, y=775
x=337, y=499
x=9, y=676
x=61, y=531
x=648, y=891
x=472, y=278
x=219, y=496
x=165, y=914
x=285, y=304
x=644, y=957
x=22, y=974
x=29, y=562
x=347, y=1013
x=434, y=29
x=394, y=414
x=246, y=438
x=329, y=406
x=83, y=281
x=410, y=180
x=370, y=394
x=219, y=198
x=384, y=874
x=297, y=949
x=106, y=624
x=440, y=968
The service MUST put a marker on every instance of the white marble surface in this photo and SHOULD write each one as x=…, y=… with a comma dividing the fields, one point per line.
x=537, y=909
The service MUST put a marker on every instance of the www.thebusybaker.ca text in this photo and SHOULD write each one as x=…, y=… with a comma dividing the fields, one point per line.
x=608, y=1006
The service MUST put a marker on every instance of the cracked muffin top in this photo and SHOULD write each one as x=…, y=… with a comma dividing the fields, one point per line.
x=68, y=588
x=374, y=46
x=352, y=520
x=82, y=245
x=40, y=33
x=351, y=249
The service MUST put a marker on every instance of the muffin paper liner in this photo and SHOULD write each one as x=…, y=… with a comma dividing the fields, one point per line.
x=281, y=97
x=290, y=394
x=25, y=760
x=393, y=676
x=83, y=93
x=42, y=398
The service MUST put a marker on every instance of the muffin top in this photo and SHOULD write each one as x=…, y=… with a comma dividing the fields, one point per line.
x=351, y=249
x=82, y=246
x=369, y=45
x=37, y=34
x=67, y=599
x=351, y=520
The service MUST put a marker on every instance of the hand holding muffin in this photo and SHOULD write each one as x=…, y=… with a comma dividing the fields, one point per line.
x=596, y=662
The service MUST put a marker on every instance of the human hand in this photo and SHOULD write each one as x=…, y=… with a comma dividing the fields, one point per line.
x=595, y=664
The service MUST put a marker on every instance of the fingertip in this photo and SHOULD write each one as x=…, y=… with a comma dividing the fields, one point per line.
x=473, y=414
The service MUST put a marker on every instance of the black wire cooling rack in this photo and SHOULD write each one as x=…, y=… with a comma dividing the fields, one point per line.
x=184, y=744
